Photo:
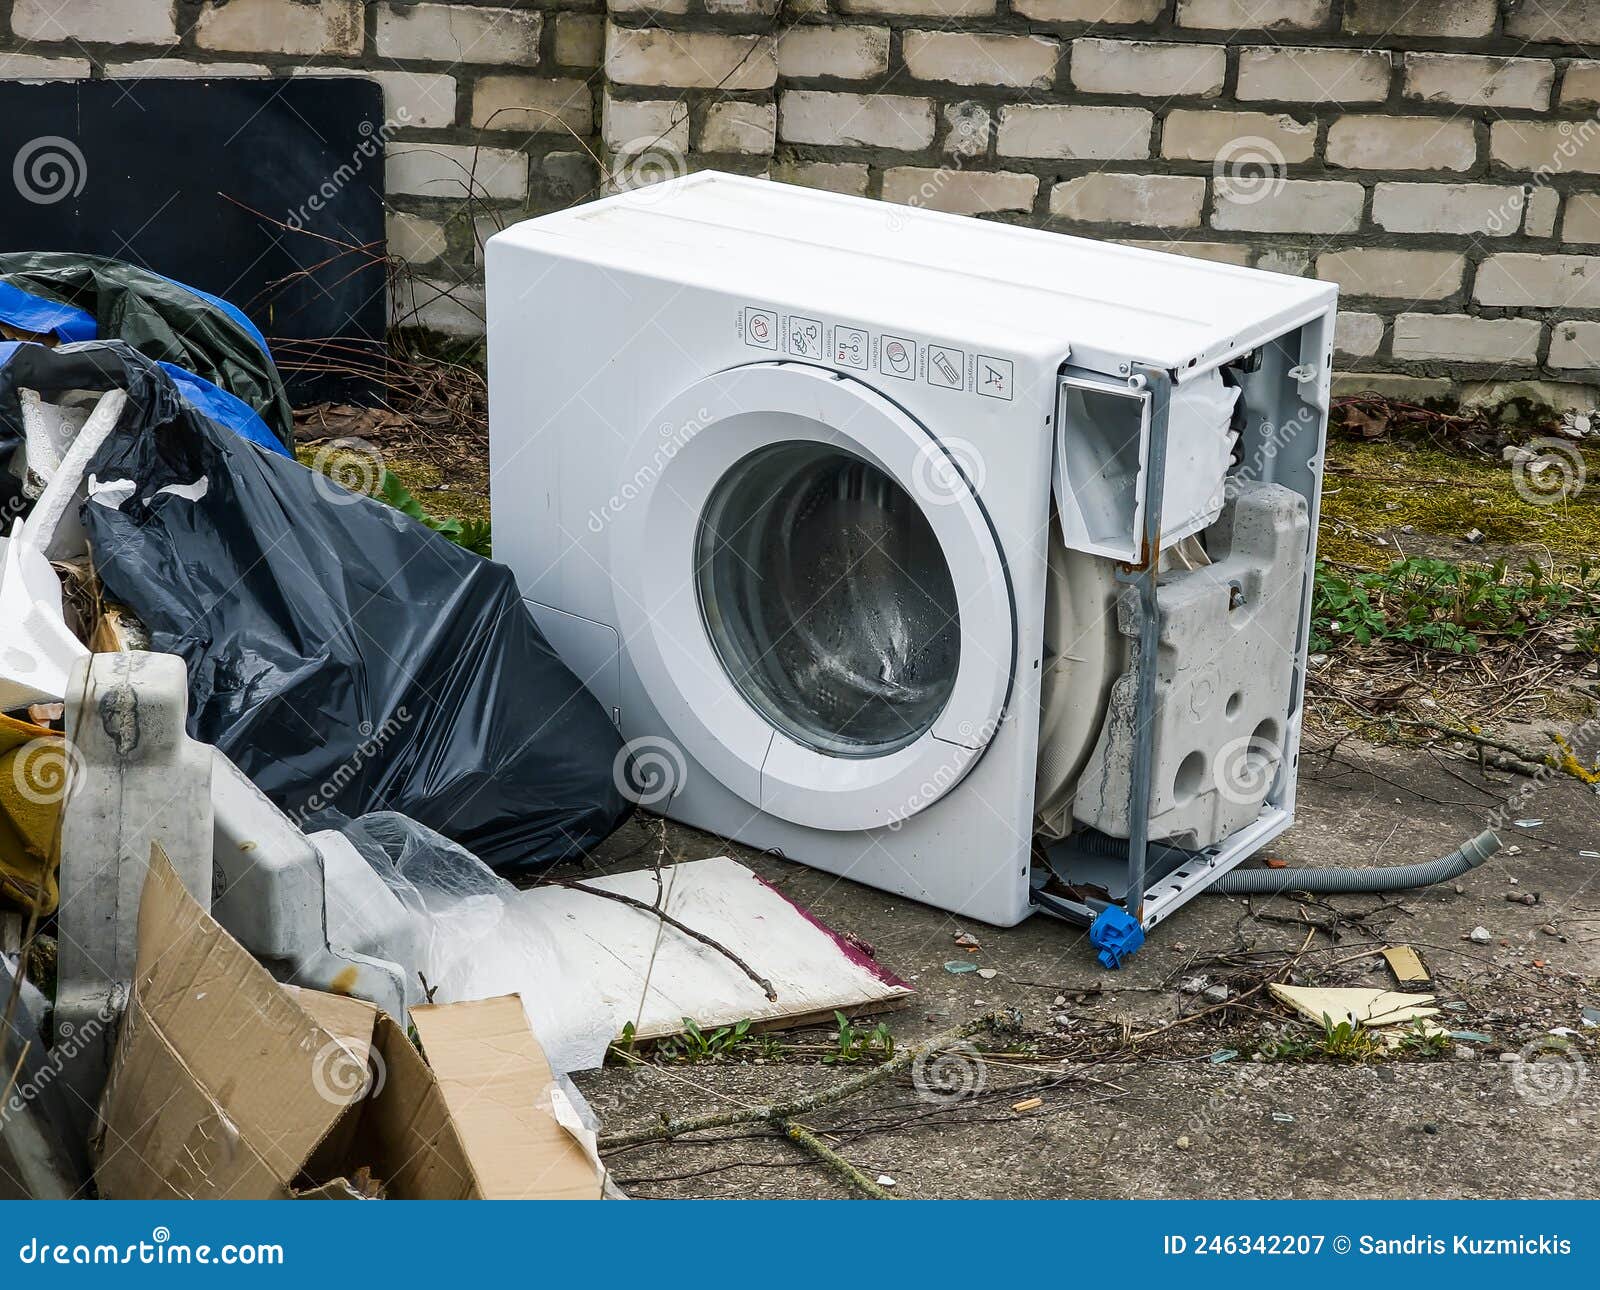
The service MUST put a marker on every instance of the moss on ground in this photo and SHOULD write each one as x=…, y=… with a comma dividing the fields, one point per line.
x=1375, y=488
x=421, y=478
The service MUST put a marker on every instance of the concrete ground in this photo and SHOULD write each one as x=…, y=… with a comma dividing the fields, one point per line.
x=1162, y=1118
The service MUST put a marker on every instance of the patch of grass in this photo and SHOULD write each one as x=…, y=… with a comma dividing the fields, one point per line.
x=1446, y=607
x=1373, y=488
x=858, y=1044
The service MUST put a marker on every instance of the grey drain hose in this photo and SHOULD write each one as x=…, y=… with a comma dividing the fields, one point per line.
x=1269, y=882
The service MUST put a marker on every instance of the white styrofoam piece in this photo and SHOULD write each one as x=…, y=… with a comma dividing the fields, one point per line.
x=37, y=649
x=613, y=964
x=53, y=525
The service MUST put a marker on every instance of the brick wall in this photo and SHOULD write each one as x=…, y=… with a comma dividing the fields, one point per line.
x=1440, y=159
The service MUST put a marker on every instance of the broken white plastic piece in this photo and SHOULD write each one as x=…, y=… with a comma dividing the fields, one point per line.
x=37, y=650
x=54, y=526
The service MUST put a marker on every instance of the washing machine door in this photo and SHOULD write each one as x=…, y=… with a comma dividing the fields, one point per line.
x=812, y=596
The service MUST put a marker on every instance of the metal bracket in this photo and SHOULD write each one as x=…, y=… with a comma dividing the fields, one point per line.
x=1142, y=577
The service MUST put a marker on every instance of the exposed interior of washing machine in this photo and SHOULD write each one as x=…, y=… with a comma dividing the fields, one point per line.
x=1232, y=582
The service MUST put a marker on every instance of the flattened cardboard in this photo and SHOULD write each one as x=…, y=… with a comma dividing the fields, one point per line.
x=228, y=1084
x=497, y=1087
x=222, y=1085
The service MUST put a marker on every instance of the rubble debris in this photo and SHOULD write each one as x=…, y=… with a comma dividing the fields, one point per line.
x=1479, y=936
x=1358, y=1005
x=1407, y=965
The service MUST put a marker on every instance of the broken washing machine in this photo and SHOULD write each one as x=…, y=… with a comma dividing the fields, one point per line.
x=968, y=561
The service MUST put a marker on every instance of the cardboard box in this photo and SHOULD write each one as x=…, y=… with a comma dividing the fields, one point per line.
x=226, y=1083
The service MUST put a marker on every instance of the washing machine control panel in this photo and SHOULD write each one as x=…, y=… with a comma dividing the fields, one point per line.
x=815, y=339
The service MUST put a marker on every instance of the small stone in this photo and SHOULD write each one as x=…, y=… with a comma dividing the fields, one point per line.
x=1550, y=929
x=1514, y=851
x=1193, y=984
x=1183, y=1142
x=1430, y=1127
x=1215, y=994
x=885, y=1181
x=1460, y=890
x=1317, y=660
x=988, y=974
x=1474, y=536
x=1510, y=1057
x=1060, y=999
x=1480, y=936
x=1514, y=454
x=1465, y=1054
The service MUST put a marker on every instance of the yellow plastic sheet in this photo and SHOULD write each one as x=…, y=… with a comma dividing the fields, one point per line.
x=33, y=784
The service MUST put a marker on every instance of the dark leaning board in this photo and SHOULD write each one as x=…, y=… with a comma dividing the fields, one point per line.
x=143, y=170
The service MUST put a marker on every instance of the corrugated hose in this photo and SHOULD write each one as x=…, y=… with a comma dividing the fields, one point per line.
x=1269, y=882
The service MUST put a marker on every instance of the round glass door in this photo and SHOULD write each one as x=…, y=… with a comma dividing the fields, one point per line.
x=828, y=599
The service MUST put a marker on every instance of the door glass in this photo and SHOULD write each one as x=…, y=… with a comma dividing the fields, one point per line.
x=828, y=599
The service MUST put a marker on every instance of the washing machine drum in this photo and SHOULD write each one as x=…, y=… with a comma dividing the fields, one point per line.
x=828, y=599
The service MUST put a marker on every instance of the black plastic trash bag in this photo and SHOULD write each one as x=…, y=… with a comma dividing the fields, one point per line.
x=162, y=319
x=344, y=656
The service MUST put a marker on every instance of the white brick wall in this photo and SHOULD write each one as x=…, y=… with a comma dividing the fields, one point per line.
x=1488, y=210
x=1394, y=274
x=1206, y=133
x=1016, y=61
x=1370, y=142
x=1147, y=68
x=1145, y=201
x=1090, y=133
x=958, y=191
x=1479, y=81
x=1294, y=206
x=850, y=53
x=130, y=22
x=900, y=122
x=281, y=27
x=706, y=60
x=1314, y=75
x=1439, y=159
x=1466, y=340
x=459, y=33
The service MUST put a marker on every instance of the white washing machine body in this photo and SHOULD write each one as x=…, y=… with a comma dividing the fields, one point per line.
x=720, y=408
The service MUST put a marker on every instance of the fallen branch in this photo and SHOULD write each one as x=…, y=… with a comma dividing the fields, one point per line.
x=777, y=1113
x=670, y=921
x=836, y=1164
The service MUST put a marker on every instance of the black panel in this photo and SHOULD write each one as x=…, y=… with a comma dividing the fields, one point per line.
x=169, y=174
